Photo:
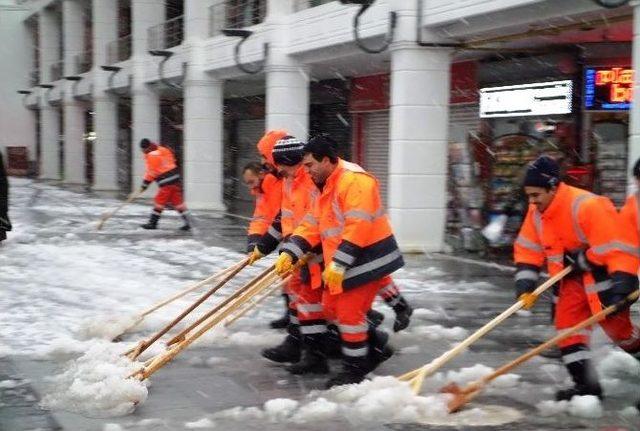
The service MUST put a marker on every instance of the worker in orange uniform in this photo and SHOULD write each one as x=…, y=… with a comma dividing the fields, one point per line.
x=569, y=226
x=629, y=213
x=161, y=167
x=359, y=251
x=305, y=342
x=267, y=209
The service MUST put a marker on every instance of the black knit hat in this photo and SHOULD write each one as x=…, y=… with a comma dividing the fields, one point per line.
x=145, y=143
x=636, y=169
x=323, y=146
x=542, y=172
x=288, y=151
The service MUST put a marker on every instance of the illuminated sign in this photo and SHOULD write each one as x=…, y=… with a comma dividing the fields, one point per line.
x=608, y=88
x=540, y=98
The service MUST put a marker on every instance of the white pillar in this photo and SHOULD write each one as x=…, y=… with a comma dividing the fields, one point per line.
x=287, y=81
x=203, y=125
x=196, y=19
x=146, y=103
x=105, y=105
x=74, y=111
x=49, y=116
x=634, y=123
x=418, y=145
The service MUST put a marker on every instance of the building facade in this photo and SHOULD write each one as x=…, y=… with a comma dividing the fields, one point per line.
x=395, y=91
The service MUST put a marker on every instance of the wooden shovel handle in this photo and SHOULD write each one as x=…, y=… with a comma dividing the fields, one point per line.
x=132, y=196
x=203, y=298
x=433, y=366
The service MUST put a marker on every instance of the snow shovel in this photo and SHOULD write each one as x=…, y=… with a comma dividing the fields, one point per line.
x=256, y=302
x=180, y=294
x=255, y=282
x=417, y=376
x=184, y=339
x=462, y=396
x=144, y=344
x=131, y=198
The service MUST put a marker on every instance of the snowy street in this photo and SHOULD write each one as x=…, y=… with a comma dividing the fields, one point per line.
x=66, y=286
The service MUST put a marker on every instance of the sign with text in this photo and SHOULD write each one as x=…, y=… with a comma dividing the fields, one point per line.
x=539, y=98
x=608, y=88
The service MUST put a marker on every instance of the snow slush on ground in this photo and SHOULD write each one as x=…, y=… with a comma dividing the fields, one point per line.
x=381, y=400
x=97, y=384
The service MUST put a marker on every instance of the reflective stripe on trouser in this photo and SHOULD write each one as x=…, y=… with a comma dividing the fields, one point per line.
x=349, y=310
x=307, y=305
x=390, y=293
x=573, y=307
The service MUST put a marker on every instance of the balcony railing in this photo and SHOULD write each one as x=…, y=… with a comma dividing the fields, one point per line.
x=119, y=50
x=235, y=14
x=166, y=35
x=56, y=70
x=84, y=62
x=34, y=77
x=306, y=4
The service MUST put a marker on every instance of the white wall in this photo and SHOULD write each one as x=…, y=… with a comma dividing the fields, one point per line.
x=17, y=126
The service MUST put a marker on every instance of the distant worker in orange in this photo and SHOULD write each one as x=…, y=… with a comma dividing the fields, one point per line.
x=161, y=167
x=569, y=226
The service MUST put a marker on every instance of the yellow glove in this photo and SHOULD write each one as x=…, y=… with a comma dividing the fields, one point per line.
x=255, y=255
x=284, y=263
x=333, y=276
x=528, y=300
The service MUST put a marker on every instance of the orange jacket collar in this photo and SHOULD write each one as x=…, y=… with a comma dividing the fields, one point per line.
x=559, y=201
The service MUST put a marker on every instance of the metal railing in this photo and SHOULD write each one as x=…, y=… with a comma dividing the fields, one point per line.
x=119, y=50
x=307, y=4
x=166, y=35
x=235, y=14
x=34, y=77
x=84, y=62
x=56, y=70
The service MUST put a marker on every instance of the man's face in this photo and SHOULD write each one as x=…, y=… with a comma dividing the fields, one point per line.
x=318, y=170
x=540, y=197
x=266, y=163
x=251, y=179
x=287, y=171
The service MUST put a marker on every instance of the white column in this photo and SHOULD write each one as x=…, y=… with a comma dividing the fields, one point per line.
x=287, y=81
x=74, y=111
x=146, y=103
x=105, y=105
x=203, y=125
x=196, y=19
x=105, y=147
x=418, y=145
x=49, y=116
x=634, y=126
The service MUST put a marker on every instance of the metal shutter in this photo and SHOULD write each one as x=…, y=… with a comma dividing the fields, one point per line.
x=249, y=133
x=376, y=148
x=463, y=118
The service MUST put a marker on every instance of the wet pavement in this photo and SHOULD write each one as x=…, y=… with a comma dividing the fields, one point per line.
x=450, y=291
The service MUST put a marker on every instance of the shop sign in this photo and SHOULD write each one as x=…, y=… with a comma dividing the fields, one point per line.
x=540, y=98
x=608, y=88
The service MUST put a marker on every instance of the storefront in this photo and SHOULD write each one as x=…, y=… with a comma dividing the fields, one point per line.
x=607, y=99
x=369, y=107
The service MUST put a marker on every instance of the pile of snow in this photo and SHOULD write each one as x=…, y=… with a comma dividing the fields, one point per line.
x=200, y=424
x=381, y=400
x=106, y=327
x=97, y=384
x=435, y=332
x=588, y=406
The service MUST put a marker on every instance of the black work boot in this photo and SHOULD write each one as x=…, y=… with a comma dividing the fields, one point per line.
x=583, y=374
x=379, y=349
x=314, y=359
x=282, y=322
x=153, y=221
x=332, y=343
x=374, y=318
x=186, y=227
x=287, y=351
x=354, y=370
x=403, y=314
